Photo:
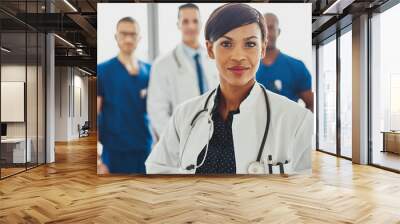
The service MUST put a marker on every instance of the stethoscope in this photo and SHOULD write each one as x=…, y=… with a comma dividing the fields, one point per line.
x=176, y=58
x=255, y=167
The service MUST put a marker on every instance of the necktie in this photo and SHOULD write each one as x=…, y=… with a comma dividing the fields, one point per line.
x=200, y=75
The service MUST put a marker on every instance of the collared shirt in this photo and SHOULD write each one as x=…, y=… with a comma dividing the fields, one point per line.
x=190, y=53
x=220, y=157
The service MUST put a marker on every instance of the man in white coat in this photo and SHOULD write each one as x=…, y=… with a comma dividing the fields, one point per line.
x=183, y=73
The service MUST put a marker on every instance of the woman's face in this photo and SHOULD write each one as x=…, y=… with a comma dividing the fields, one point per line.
x=237, y=54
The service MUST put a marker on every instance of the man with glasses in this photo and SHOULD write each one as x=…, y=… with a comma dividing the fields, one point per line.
x=122, y=81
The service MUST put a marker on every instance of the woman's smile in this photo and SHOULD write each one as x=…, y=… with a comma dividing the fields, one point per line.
x=238, y=69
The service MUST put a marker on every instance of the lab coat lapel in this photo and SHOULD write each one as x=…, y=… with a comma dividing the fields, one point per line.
x=244, y=140
x=185, y=63
x=187, y=77
x=248, y=129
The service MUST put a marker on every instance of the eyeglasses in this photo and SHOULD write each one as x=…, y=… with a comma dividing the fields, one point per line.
x=124, y=35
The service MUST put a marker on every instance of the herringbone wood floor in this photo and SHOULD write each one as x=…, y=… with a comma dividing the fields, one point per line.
x=69, y=191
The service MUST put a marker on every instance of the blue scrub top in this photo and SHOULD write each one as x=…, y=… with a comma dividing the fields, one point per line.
x=123, y=121
x=287, y=76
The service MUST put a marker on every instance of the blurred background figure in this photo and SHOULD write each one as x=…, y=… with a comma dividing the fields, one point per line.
x=181, y=74
x=123, y=124
x=282, y=73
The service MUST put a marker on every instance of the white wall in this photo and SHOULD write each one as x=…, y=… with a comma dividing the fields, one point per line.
x=80, y=83
x=12, y=99
x=61, y=103
x=12, y=73
x=67, y=80
x=33, y=127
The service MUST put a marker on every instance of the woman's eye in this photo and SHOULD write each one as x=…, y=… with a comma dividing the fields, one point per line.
x=250, y=44
x=226, y=44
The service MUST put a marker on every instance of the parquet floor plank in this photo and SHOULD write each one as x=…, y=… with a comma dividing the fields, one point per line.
x=70, y=191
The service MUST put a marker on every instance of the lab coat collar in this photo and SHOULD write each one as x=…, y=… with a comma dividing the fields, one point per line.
x=186, y=67
x=247, y=104
x=217, y=101
x=190, y=52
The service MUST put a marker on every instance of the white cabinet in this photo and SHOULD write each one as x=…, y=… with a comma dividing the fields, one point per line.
x=19, y=155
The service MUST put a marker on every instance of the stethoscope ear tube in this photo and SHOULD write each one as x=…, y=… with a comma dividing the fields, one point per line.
x=196, y=116
x=205, y=109
x=260, y=151
x=192, y=123
x=176, y=58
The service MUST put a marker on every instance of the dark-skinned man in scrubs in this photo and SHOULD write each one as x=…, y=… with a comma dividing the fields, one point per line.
x=281, y=73
x=122, y=81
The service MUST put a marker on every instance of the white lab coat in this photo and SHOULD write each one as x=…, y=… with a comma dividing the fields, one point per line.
x=289, y=137
x=173, y=80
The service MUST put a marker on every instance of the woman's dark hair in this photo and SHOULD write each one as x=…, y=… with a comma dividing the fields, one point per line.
x=231, y=16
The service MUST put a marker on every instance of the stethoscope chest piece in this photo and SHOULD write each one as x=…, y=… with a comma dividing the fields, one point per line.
x=256, y=168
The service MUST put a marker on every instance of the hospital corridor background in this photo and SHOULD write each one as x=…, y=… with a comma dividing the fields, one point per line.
x=52, y=162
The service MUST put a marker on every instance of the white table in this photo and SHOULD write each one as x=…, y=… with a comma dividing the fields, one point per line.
x=18, y=145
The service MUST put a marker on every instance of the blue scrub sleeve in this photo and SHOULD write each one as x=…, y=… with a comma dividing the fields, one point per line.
x=304, y=78
x=100, y=74
x=100, y=93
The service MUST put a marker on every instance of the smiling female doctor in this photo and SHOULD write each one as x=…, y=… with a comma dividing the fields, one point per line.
x=240, y=127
